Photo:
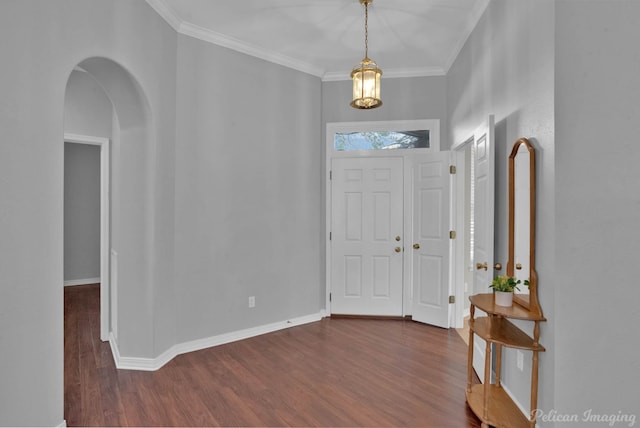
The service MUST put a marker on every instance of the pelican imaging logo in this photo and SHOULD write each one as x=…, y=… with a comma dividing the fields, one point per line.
x=619, y=418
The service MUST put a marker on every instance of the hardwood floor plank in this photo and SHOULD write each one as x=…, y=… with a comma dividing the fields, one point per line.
x=336, y=372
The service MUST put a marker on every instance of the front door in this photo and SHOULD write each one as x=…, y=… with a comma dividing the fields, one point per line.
x=430, y=247
x=367, y=236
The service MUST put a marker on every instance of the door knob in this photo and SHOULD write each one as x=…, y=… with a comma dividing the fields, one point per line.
x=398, y=238
x=398, y=249
x=416, y=246
x=482, y=266
x=497, y=266
x=518, y=266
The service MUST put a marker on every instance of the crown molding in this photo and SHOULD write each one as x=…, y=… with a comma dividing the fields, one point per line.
x=394, y=73
x=204, y=34
x=223, y=40
x=166, y=12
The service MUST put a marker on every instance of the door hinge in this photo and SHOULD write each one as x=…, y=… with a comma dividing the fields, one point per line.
x=329, y=236
x=452, y=169
x=452, y=234
x=329, y=296
x=330, y=175
x=452, y=299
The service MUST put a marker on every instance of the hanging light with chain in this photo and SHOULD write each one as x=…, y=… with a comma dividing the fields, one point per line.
x=366, y=75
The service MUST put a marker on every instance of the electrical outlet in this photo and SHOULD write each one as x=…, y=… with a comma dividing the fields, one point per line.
x=520, y=360
x=252, y=301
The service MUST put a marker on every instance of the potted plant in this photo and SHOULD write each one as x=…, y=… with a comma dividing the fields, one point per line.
x=503, y=286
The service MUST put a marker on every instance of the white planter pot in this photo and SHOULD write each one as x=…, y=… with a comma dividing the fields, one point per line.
x=504, y=298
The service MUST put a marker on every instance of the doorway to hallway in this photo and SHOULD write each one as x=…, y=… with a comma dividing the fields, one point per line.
x=474, y=219
x=102, y=145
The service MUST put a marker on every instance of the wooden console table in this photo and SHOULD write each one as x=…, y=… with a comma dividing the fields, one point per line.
x=489, y=401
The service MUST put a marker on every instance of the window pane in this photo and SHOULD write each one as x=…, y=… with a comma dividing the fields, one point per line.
x=384, y=140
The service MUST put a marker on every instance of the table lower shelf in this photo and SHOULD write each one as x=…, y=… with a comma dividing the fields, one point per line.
x=502, y=411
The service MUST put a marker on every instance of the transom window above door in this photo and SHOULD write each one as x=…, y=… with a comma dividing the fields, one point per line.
x=382, y=140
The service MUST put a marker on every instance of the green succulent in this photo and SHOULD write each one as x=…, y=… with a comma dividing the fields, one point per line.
x=506, y=283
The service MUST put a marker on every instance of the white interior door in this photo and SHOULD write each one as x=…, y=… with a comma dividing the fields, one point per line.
x=366, y=242
x=431, y=243
x=484, y=206
x=483, y=222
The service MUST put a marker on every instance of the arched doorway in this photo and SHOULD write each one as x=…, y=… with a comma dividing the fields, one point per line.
x=123, y=131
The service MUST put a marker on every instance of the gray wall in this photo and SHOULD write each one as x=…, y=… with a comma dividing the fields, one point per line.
x=43, y=42
x=564, y=74
x=211, y=176
x=597, y=207
x=242, y=161
x=402, y=99
x=87, y=109
x=247, y=191
x=81, y=211
x=506, y=69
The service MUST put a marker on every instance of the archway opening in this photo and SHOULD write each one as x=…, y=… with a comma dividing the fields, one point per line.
x=105, y=106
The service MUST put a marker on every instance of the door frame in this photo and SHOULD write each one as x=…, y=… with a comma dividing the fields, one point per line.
x=105, y=210
x=332, y=128
x=458, y=206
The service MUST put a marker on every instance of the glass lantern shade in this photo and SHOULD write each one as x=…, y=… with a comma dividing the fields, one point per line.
x=366, y=85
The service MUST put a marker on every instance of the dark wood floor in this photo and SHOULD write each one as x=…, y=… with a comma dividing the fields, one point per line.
x=336, y=372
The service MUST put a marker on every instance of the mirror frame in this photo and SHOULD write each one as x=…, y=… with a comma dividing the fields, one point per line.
x=529, y=301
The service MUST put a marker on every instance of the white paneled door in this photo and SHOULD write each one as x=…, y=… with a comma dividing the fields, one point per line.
x=367, y=236
x=431, y=239
x=483, y=222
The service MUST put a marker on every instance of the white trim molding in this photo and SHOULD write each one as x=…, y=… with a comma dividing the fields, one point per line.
x=83, y=281
x=207, y=35
x=189, y=29
x=232, y=43
x=515, y=400
x=389, y=73
x=84, y=139
x=152, y=364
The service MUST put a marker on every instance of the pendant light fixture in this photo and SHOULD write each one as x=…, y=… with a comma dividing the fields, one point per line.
x=366, y=75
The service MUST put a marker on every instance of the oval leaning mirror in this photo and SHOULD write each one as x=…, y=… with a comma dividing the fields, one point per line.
x=522, y=209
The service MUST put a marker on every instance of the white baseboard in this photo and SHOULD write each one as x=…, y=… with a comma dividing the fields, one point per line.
x=516, y=402
x=84, y=281
x=152, y=364
x=63, y=424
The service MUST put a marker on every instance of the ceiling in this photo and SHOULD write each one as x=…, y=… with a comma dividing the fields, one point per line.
x=325, y=38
